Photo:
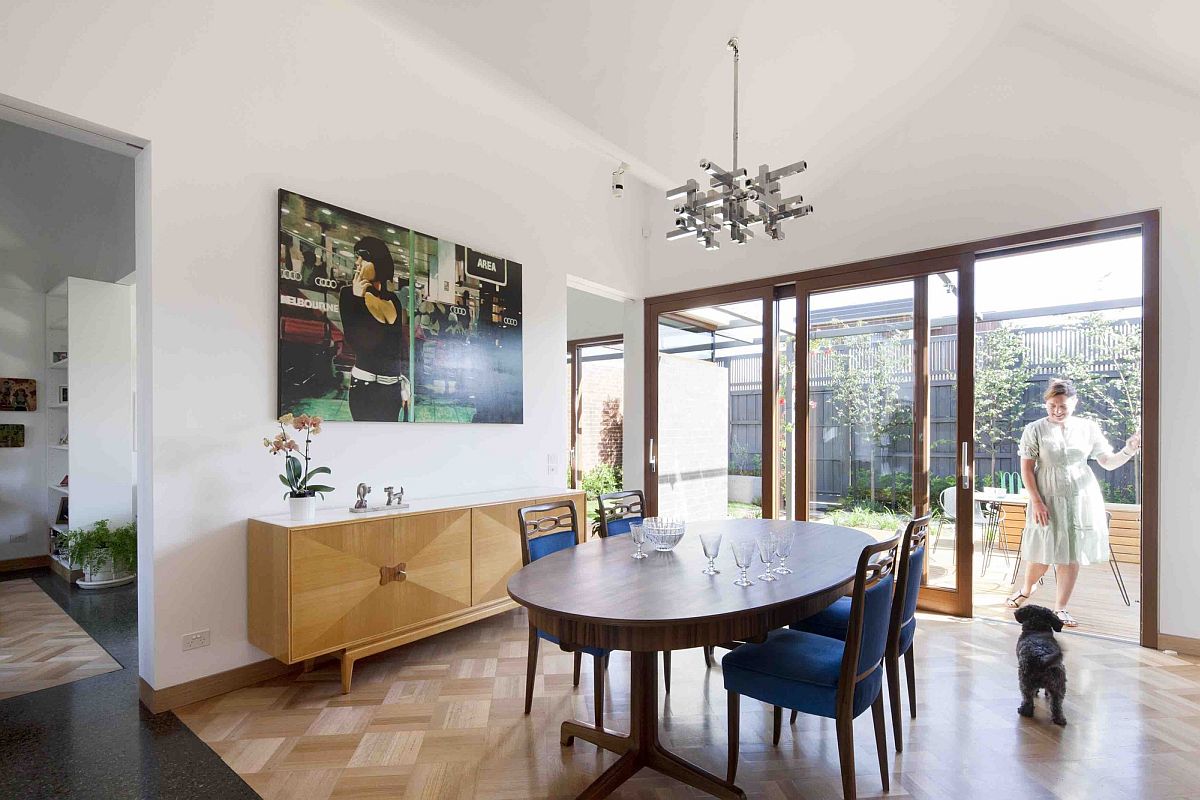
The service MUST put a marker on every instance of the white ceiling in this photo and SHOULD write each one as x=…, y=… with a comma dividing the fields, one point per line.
x=654, y=79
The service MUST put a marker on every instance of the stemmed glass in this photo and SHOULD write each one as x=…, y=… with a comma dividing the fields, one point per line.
x=783, y=549
x=638, y=534
x=743, y=556
x=711, y=542
x=766, y=551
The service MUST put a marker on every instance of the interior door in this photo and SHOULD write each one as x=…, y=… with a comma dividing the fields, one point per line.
x=883, y=410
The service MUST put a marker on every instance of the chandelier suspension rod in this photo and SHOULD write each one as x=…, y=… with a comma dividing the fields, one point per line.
x=733, y=45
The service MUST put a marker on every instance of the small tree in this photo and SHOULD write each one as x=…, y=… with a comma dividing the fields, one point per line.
x=1001, y=374
x=1115, y=399
x=866, y=372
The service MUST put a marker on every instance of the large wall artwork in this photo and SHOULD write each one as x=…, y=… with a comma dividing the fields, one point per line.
x=382, y=323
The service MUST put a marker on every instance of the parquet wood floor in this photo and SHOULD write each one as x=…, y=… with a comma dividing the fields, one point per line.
x=443, y=718
x=40, y=646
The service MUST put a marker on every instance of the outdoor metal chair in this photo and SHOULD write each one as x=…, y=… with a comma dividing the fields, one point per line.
x=1112, y=565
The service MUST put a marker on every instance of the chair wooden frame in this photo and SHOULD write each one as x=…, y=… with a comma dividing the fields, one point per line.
x=540, y=520
x=867, y=574
x=620, y=510
x=916, y=535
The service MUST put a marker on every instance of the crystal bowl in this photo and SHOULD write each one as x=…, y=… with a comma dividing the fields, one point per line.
x=663, y=534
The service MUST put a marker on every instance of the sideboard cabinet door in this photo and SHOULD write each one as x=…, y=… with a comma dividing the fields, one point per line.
x=436, y=552
x=338, y=594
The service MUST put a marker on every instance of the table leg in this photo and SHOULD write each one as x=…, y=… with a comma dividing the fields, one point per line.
x=641, y=748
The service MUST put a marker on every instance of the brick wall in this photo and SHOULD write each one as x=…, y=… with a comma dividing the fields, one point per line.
x=601, y=415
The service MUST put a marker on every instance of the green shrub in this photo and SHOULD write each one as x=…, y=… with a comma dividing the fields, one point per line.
x=893, y=492
x=88, y=548
x=601, y=479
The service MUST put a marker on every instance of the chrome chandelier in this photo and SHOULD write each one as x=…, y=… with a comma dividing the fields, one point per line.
x=735, y=200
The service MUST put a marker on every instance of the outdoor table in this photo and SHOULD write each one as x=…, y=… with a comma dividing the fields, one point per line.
x=596, y=595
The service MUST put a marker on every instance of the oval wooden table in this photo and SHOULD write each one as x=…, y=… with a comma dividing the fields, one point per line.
x=596, y=595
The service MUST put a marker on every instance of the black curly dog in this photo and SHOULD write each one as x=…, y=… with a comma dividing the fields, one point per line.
x=1040, y=661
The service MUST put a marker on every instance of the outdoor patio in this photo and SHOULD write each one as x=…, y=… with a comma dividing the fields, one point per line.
x=1096, y=602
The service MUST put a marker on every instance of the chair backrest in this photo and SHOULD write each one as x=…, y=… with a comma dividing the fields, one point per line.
x=947, y=500
x=620, y=509
x=546, y=529
x=908, y=577
x=870, y=614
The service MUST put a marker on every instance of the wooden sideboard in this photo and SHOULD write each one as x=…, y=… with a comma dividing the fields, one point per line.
x=353, y=585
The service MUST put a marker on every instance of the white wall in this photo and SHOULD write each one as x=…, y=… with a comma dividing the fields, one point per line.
x=238, y=99
x=23, y=492
x=1033, y=134
x=591, y=315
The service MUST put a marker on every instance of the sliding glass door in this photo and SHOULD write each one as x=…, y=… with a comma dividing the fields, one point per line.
x=880, y=422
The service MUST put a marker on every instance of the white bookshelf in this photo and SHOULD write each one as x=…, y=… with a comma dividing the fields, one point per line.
x=90, y=321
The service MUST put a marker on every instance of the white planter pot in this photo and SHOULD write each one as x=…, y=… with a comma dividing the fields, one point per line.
x=104, y=576
x=304, y=509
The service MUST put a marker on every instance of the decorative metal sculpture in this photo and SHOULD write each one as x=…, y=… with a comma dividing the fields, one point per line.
x=733, y=193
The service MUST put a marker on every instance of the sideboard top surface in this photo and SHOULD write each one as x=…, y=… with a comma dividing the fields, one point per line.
x=341, y=515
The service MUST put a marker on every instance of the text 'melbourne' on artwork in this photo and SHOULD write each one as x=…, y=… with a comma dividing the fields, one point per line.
x=382, y=323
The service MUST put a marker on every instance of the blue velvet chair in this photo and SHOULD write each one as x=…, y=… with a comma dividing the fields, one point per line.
x=546, y=529
x=835, y=621
x=619, y=510
x=822, y=675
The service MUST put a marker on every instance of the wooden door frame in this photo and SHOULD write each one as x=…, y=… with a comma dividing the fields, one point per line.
x=1147, y=223
x=956, y=601
x=573, y=347
x=655, y=307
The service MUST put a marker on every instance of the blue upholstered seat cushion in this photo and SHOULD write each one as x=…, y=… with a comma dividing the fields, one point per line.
x=618, y=526
x=835, y=619
x=797, y=670
x=832, y=622
x=591, y=651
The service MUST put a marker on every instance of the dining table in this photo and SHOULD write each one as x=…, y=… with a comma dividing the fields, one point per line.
x=596, y=595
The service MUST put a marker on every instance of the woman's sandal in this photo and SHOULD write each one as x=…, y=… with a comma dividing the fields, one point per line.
x=1066, y=619
x=1015, y=601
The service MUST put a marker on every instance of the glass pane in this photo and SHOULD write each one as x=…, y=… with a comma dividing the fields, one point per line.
x=1072, y=312
x=943, y=429
x=860, y=392
x=709, y=451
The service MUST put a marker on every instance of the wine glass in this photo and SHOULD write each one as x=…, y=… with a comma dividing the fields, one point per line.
x=743, y=556
x=766, y=551
x=638, y=534
x=711, y=542
x=783, y=549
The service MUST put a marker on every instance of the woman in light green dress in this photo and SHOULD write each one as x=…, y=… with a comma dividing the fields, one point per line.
x=1065, y=524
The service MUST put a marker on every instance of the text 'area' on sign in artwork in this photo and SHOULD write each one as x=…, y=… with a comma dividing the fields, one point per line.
x=382, y=323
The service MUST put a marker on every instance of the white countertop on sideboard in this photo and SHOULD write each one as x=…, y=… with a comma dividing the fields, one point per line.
x=328, y=515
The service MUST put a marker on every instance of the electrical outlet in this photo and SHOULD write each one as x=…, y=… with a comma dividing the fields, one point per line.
x=197, y=639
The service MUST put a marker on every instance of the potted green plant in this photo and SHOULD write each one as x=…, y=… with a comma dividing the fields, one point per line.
x=107, y=555
x=297, y=477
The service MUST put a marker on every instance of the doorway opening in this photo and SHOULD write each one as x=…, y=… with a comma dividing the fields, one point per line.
x=596, y=367
x=1075, y=313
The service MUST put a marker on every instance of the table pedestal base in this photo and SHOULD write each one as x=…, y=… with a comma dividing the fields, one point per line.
x=641, y=747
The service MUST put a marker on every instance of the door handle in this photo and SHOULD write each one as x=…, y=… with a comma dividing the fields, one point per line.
x=653, y=458
x=965, y=465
